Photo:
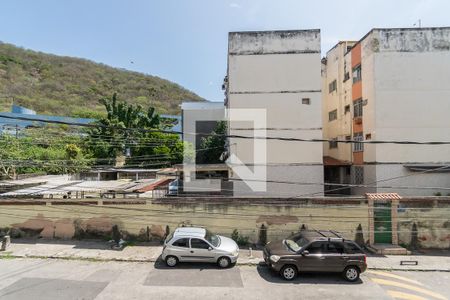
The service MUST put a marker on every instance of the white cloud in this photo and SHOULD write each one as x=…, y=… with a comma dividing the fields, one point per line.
x=235, y=5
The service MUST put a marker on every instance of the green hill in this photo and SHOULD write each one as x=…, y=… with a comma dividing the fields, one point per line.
x=60, y=85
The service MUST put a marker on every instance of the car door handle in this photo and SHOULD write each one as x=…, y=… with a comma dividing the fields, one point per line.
x=192, y=251
x=344, y=257
x=323, y=257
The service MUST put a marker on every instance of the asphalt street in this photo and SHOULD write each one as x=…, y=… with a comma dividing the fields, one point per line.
x=64, y=279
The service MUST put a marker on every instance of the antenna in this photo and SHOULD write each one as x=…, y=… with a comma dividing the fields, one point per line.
x=418, y=23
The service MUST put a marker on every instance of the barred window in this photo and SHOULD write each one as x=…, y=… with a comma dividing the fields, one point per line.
x=358, y=175
x=358, y=108
x=357, y=74
x=358, y=147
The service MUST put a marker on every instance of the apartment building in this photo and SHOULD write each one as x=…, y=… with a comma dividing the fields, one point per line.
x=392, y=85
x=276, y=73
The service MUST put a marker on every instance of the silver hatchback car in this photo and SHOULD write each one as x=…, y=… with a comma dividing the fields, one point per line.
x=193, y=244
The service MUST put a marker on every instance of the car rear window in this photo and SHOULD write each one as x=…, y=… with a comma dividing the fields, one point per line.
x=352, y=248
x=335, y=247
x=317, y=247
x=181, y=243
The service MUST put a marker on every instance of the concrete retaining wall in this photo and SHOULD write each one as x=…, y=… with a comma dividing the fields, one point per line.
x=88, y=219
x=145, y=219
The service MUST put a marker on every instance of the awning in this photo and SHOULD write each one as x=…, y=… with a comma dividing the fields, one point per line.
x=383, y=196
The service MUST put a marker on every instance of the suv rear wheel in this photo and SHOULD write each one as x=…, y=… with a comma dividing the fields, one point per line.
x=289, y=272
x=351, y=273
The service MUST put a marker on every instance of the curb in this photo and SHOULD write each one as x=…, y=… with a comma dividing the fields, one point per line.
x=96, y=259
x=76, y=258
x=407, y=270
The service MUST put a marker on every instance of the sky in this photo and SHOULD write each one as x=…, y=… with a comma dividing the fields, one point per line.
x=185, y=41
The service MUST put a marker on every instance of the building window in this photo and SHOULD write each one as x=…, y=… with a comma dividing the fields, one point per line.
x=358, y=147
x=358, y=108
x=332, y=115
x=346, y=76
x=347, y=109
x=306, y=101
x=333, y=144
x=332, y=86
x=357, y=74
x=358, y=175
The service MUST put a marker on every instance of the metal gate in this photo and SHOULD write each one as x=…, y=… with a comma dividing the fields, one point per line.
x=382, y=223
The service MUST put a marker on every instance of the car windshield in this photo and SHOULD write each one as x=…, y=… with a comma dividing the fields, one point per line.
x=302, y=242
x=212, y=238
x=169, y=237
x=293, y=246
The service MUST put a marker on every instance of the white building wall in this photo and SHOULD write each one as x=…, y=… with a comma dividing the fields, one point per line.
x=275, y=71
x=406, y=80
x=408, y=183
x=369, y=95
x=413, y=104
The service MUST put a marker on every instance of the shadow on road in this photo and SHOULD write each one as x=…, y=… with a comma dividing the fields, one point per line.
x=161, y=265
x=309, y=278
x=97, y=244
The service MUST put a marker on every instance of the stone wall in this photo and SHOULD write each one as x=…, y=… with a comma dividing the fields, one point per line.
x=146, y=220
x=432, y=220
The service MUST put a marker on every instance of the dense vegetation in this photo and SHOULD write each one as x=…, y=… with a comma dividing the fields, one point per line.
x=69, y=86
x=127, y=136
x=55, y=152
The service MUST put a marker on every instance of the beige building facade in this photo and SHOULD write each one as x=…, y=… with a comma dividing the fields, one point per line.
x=392, y=85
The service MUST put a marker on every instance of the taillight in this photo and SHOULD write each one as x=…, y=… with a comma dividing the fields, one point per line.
x=365, y=259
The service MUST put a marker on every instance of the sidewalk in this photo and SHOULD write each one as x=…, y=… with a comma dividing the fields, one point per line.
x=100, y=251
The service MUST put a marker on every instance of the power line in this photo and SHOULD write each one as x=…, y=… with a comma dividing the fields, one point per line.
x=230, y=136
x=382, y=180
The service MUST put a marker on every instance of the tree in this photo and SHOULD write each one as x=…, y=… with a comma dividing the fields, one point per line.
x=213, y=146
x=41, y=150
x=129, y=129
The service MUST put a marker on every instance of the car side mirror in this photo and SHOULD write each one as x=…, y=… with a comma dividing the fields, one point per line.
x=209, y=248
x=305, y=253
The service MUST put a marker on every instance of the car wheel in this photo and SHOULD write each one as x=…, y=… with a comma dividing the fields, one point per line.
x=351, y=273
x=171, y=261
x=289, y=272
x=224, y=262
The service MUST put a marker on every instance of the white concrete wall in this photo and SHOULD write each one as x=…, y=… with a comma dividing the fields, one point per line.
x=275, y=71
x=303, y=178
x=263, y=42
x=413, y=104
x=406, y=82
x=369, y=94
x=270, y=73
x=410, y=183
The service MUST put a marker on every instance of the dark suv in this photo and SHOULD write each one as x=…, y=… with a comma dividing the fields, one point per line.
x=316, y=251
